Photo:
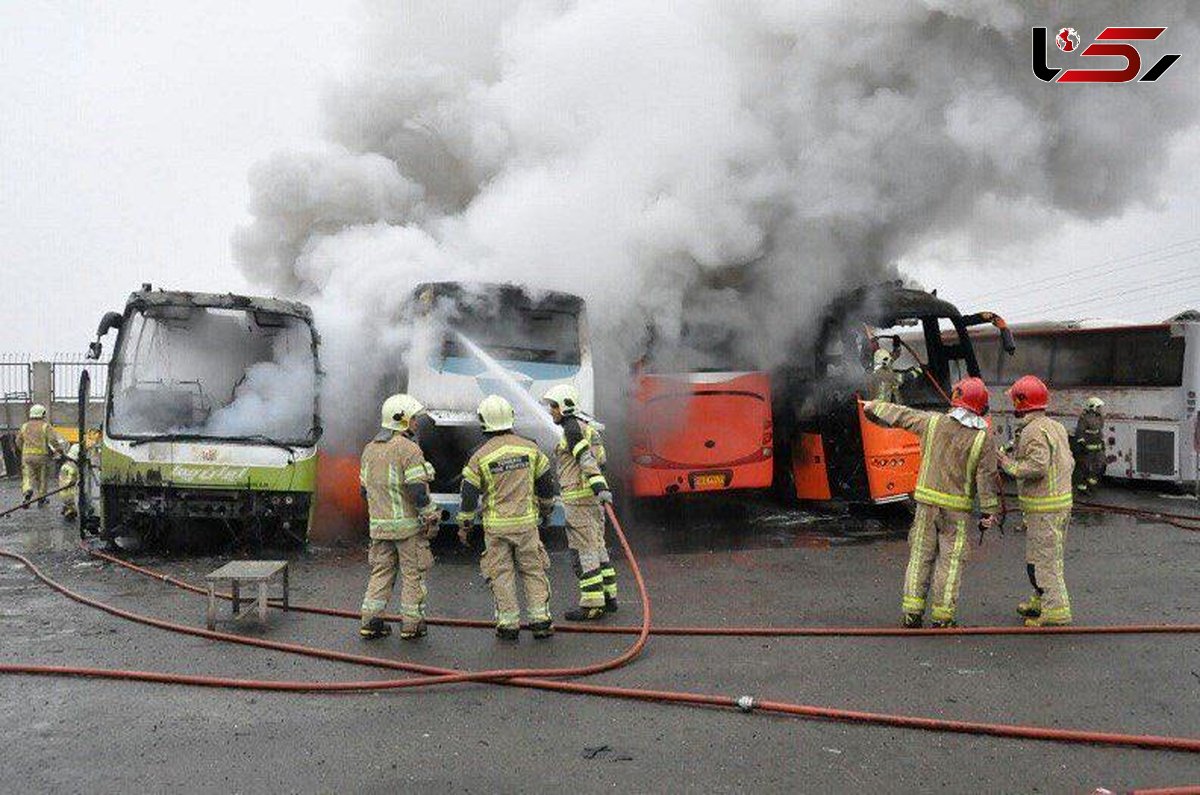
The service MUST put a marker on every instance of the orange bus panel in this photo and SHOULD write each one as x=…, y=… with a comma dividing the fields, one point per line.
x=701, y=432
x=892, y=457
x=809, y=468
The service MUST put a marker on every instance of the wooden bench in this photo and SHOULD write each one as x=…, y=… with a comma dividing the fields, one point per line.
x=246, y=571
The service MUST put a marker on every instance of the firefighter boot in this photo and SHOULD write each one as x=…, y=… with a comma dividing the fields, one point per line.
x=945, y=623
x=27, y=497
x=912, y=621
x=413, y=631
x=1030, y=608
x=542, y=629
x=585, y=614
x=508, y=633
x=1048, y=621
x=610, y=604
x=375, y=628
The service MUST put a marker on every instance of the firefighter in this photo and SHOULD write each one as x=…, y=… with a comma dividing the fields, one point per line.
x=38, y=442
x=579, y=457
x=507, y=483
x=884, y=380
x=68, y=480
x=1089, y=446
x=1042, y=464
x=395, y=480
x=958, y=463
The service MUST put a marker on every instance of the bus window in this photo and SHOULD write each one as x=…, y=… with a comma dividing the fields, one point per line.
x=1082, y=359
x=1032, y=357
x=1148, y=357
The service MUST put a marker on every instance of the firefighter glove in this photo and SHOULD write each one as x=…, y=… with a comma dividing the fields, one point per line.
x=605, y=497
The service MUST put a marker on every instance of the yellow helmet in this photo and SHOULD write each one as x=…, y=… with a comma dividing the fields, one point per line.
x=398, y=412
x=882, y=358
x=1094, y=404
x=565, y=396
x=73, y=452
x=496, y=414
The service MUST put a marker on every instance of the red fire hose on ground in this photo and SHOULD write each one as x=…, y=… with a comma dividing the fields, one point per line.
x=539, y=679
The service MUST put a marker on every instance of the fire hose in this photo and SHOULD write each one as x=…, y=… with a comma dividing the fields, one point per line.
x=539, y=679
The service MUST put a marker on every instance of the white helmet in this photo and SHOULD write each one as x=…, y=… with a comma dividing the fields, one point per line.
x=73, y=452
x=496, y=414
x=1094, y=404
x=37, y=412
x=565, y=396
x=882, y=358
x=398, y=412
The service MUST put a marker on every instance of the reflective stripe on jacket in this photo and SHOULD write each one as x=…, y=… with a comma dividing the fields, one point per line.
x=513, y=481
x=1042, y=465
x=578, y=459
x=957, y=462
x=389, y=466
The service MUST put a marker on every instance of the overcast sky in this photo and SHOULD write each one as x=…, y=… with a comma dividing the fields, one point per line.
x=129, y=127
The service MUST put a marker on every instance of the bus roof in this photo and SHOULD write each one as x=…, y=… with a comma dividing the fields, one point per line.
x=145, y=298
x=886, y=304
x=508, y=293
x=1084, y=325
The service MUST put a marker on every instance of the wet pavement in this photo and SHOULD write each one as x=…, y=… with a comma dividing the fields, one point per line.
x=755, y=565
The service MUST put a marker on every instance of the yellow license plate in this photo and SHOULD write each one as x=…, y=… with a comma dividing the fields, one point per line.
x=701, y=482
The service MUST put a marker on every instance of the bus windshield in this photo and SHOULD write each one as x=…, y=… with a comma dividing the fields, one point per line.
x=504, y=320
x=207, y=373
x=523, y=335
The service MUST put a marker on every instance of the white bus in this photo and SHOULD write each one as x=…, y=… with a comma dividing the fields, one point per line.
x=534, y=340
x=1148, y=376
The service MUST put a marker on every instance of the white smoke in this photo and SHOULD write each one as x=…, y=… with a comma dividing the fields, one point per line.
x=730, y=161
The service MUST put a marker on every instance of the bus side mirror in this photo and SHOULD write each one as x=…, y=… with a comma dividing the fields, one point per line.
x=110, y=321
x=94, y=350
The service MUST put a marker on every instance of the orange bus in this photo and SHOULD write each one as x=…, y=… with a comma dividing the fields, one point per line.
x=834, y=452
x=701, y=432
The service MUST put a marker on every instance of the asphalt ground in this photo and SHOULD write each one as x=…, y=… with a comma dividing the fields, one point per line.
x=760, y=565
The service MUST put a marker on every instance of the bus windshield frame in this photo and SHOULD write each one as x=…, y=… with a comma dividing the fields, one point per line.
x=172, y=355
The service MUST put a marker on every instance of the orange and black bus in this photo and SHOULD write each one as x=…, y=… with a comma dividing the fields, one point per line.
x=833, y=452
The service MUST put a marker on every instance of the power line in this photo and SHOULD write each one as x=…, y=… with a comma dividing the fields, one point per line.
x=1119, y=263
x=1164, y=287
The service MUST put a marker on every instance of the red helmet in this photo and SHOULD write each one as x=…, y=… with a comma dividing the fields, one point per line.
x=1029, y=394
x=971, y=394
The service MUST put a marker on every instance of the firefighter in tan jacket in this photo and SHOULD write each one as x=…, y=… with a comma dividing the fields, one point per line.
x=507, y=483
x=68, y=484
x=1042, y=465
x=578, y=458
x=38, y=443
x=395, y=478
x=958, y=463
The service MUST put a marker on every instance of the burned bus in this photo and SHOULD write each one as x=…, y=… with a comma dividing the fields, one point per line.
x=211, y=419
x=835, y=453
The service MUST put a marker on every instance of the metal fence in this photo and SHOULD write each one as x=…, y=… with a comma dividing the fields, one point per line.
x=65, y=371
x=15, y=374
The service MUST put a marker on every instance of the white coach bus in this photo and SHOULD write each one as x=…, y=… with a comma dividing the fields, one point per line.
x=1148, y=376
x=533, y=339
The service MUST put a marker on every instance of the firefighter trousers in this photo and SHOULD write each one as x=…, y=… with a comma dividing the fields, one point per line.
x=410, y=560
x=585, y=537
x=1045, y=540
x=513, y=555
x=937, y=551
x=35, y=471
